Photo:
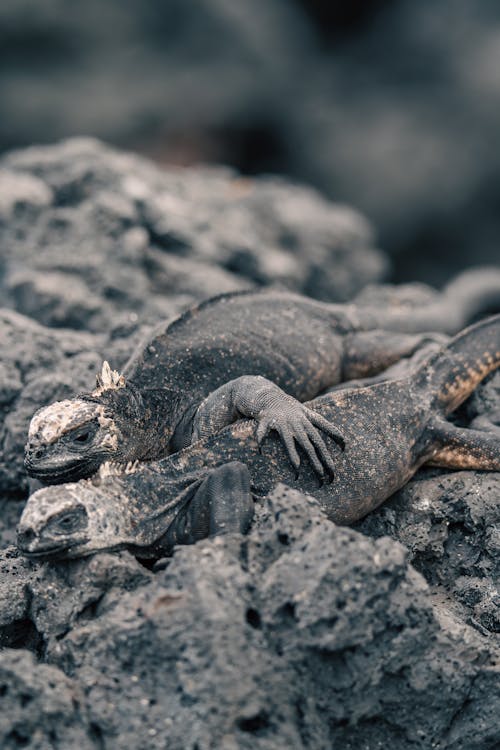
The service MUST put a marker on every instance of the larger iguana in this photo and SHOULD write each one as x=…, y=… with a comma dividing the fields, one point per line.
x=253, y=354
x=392, y=428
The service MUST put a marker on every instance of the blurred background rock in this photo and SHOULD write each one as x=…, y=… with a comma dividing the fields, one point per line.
x=390, y=105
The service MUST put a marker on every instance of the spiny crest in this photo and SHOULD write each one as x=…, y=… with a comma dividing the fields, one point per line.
x=108, y=380
x=114, y=469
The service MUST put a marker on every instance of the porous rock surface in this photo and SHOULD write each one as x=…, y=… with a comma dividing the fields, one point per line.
x=300, y=635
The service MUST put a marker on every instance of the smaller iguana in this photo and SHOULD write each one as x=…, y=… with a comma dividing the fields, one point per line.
x=247, y=354
x=392, y=428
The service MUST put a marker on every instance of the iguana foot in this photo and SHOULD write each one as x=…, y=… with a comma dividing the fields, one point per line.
x=298, y=425
x=256, y=397
x=221, y=503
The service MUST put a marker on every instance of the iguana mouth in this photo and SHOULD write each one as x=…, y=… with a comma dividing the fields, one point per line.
x=78, y=469
x=54, y=550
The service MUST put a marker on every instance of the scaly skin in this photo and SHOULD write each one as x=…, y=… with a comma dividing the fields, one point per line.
x=392, y=428
x=253, y=354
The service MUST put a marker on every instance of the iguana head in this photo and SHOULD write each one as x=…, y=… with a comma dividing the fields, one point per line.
x=70, y=439
x=71, y=520
x=122, y=506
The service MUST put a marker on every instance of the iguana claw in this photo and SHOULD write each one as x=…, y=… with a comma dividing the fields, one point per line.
x=301, y=427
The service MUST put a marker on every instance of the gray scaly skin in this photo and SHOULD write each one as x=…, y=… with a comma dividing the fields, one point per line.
x=392, y=428
x=251, y=354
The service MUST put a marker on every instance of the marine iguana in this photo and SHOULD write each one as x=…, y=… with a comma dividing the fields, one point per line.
x=392, y=428
x=255, y=354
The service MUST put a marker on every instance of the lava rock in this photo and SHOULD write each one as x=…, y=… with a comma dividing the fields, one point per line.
x=16, y=629
x=450, y=525
x=41, y=707
x=303, y=634
x=119, y=233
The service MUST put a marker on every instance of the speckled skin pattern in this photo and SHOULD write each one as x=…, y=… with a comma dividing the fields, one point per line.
x=301, y=346
x=391, y=429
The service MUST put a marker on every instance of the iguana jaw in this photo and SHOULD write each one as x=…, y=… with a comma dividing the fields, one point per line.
x=61, y=469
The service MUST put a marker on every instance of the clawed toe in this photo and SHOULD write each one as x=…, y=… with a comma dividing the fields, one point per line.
x=340, y=442
x=302, y=428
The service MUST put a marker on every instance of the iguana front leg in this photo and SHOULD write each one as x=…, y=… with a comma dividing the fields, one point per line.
x=259, y=398
x=221, y=504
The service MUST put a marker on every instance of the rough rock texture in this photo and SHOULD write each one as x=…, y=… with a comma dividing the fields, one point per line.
x=41, y=708
x=301, y=635
x=114, y=235
x=450, y=523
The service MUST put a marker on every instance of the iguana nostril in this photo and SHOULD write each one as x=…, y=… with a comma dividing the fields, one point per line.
x=32, y=451
x=24, y=537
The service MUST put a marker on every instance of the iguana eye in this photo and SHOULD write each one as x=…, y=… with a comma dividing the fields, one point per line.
x=83, y=437
x=69, y=521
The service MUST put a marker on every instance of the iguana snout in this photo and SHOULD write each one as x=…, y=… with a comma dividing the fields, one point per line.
x=52, y=522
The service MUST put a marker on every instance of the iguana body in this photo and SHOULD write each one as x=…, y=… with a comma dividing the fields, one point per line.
x=242, y=354
x=391, y=429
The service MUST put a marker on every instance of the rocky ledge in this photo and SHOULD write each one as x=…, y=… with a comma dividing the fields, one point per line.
x=302, y=634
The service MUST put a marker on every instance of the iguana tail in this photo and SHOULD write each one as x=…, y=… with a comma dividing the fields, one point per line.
x=465, y=298
x=452, y=373
x=473, y=293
